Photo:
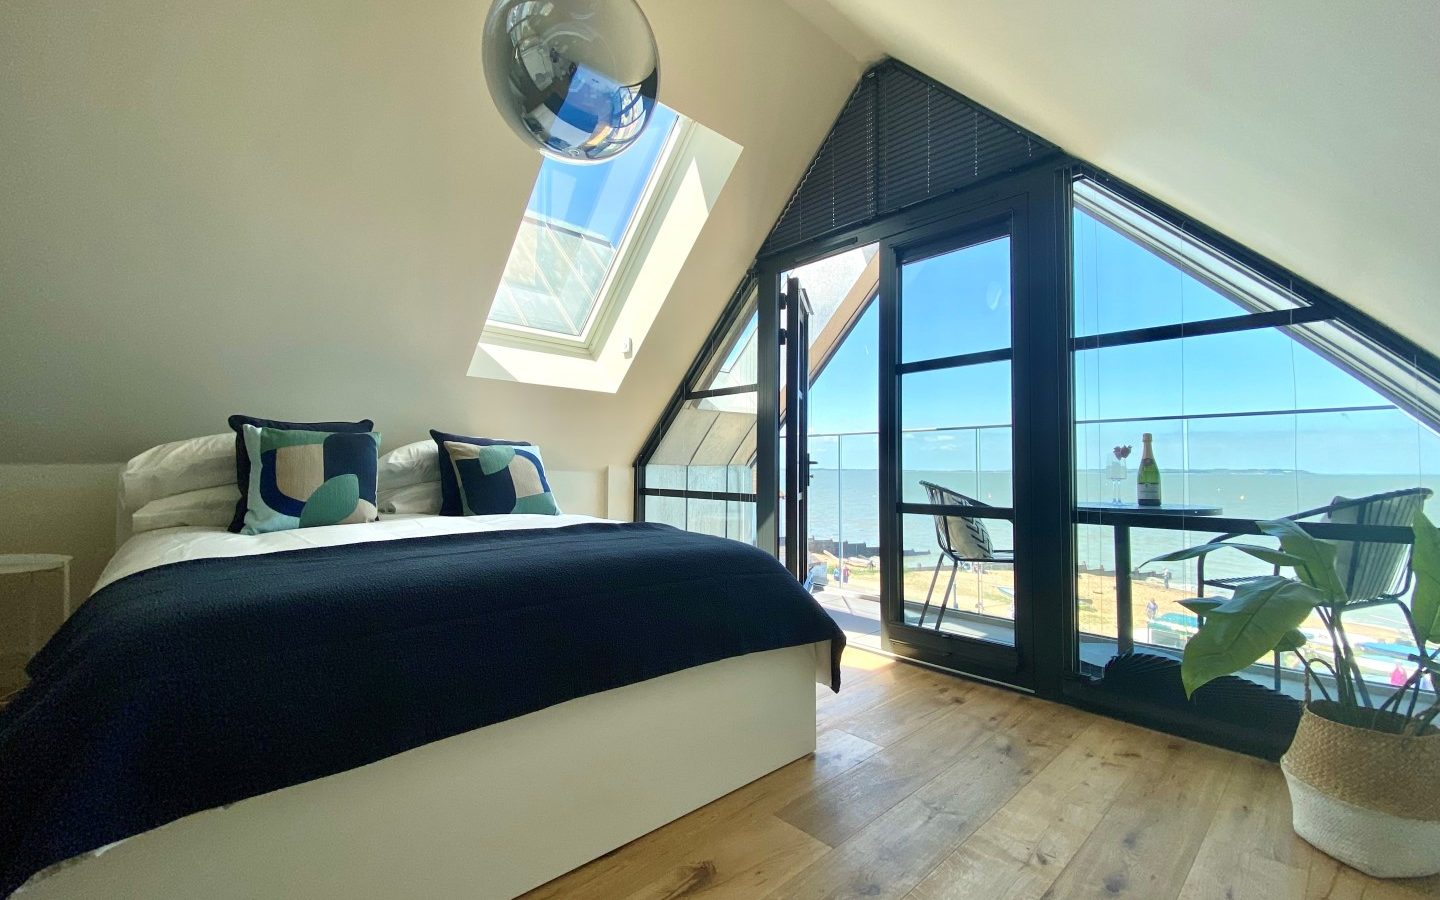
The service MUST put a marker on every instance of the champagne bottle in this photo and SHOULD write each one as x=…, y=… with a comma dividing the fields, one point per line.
x=1147, y=482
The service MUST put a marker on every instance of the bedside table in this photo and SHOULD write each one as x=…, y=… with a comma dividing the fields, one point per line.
x=34, y=601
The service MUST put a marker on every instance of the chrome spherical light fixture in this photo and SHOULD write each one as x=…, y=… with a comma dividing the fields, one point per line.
x=578, y=78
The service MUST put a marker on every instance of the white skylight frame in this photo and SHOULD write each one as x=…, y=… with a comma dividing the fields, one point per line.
x=620, y=277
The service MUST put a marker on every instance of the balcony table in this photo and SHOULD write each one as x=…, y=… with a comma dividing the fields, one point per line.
x=1093, y=513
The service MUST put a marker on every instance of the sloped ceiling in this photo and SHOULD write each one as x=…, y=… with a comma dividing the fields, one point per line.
x=301, y=209
x=1308, y=131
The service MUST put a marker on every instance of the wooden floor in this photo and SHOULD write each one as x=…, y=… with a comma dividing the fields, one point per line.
x=925, y=787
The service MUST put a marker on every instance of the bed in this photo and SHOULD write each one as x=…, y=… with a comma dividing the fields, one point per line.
x=424, y=705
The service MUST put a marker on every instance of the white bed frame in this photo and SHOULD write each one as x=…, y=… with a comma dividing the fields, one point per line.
x=489, y=813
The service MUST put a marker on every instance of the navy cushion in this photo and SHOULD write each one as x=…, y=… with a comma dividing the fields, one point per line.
x=450, y=503
x=242, y=459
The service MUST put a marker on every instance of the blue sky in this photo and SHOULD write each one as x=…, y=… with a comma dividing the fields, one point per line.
x=960, y=303
x=600, y=197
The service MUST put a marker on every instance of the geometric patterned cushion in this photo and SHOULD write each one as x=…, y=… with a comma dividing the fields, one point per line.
x=449, y=487
x=301, y=479
x=242, y=459
x=497, y=479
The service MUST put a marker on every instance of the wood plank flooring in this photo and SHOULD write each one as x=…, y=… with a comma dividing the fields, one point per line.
x=928, y=787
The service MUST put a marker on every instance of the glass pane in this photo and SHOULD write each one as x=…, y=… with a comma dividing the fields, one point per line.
x=956, y=302
x=1344, y=367
x=1192, y=376
x=1102, y=478
x=734, y=363
x=570, y=236
x=1256, y=424
x=1133, y=270
x=705, y=516
x=845, y=485
x=1156, y=590
x=666, y=510
x=826, y=503
x=672, y=477
x=845, y=395
x=737, y=367
x=721, y=518
x=838, y=287
x=955, y=433
x=713, y=432
x=967, y=593
x=709, y=447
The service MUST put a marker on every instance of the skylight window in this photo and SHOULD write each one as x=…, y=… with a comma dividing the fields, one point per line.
x=596, y=255
x=575, y=234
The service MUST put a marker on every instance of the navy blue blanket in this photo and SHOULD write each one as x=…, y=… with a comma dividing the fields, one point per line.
x=200, y=683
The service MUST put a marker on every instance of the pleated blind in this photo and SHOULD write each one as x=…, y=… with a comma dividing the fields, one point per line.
x=901, y=139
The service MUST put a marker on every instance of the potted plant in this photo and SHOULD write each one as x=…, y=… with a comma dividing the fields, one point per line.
x=1363, y=766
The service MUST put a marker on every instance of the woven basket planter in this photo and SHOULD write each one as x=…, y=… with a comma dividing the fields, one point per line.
x=1366, y=797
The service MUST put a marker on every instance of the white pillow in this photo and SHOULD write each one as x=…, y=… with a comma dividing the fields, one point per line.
x=415, y=463
x=178, y=468
x=213, y=506
x=415, y=499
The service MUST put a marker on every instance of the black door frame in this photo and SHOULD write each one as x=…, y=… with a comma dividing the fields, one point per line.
x=1038, y=606
x=1030, y=201
x=795, y=307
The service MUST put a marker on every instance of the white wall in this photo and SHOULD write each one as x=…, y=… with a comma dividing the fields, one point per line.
x=301, y=208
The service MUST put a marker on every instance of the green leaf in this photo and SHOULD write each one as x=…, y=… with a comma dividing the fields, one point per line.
x=1293, y=640
x=1425, y=606
x=1242, y=599
x=1201, y=606
x=1316, y=565
x=1245, y=628
x=1266, y=554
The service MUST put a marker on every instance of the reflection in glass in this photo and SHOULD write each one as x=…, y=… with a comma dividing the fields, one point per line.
x=735, y=364
x=575, y=78
x=838, y=287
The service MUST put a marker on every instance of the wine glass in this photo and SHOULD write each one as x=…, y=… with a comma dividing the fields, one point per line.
x=1117, y=473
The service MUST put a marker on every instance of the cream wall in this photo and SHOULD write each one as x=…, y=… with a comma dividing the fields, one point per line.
x=67, y=509
x=301, y=208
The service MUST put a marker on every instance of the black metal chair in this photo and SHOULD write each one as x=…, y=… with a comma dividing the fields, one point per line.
x=962, y=539
x=1369, y=570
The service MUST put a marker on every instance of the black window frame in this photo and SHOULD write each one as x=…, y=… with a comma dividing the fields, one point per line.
x=1043, y=352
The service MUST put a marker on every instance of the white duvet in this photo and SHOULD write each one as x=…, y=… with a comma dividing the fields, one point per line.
x=168, y=545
